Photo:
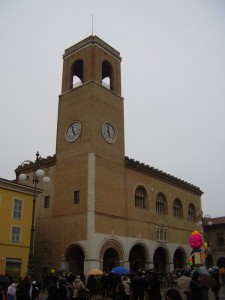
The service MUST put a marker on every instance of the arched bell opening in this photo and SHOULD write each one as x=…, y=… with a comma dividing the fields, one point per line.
x=107, y=75
x=77, y=73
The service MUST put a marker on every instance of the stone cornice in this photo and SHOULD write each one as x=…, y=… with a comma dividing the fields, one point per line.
x=17, y=187
x=29, y=167
x=134, y=164
x=93, y=39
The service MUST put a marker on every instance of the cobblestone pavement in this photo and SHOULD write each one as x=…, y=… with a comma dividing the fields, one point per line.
x=163, y=291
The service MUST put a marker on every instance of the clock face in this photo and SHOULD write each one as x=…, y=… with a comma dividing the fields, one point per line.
x=73, y=132
x=108, y=133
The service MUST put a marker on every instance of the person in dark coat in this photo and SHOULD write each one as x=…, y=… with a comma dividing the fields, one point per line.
x=120, y=293
x=25, y=286
x=107, y=283
x=216, y=276
x=92, y=285
x=138, y=285
x=53, y=289
x=63, y=291
x=196, y=286
x=154, y=287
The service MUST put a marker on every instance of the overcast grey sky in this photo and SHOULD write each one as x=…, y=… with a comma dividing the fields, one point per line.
x=173, y=81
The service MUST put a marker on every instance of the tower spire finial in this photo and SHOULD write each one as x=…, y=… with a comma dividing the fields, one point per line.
x=92, y=31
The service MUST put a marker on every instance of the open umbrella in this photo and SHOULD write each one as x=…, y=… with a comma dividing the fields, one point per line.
x=183, y=283
x=95, y=272
x=119, y=270
x=207, y=280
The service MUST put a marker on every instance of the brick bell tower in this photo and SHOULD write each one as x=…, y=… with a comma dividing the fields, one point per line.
x=89, y=175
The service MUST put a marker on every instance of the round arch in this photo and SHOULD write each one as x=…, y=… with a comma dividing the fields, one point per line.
x=138, y=257
x=73, y=258
x=111, y=255
x=161, y=259
x=141, y=197
x=161, y=203
x=77, y=71
x=178, y=211
x=209, y=261
x=108, y=73
x=179, y=258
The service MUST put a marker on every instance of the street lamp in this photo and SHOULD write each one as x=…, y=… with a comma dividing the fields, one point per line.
x=204, y=220
x=38, y=174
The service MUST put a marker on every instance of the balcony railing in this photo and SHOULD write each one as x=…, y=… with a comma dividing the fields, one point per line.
x=79, y=83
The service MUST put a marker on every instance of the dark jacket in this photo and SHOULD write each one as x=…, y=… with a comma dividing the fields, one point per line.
x=138, y=284
x=154, y=288
x=120, y=292
x=196, y=287
x=215, y=275
x=52, y=291
x=92, y=285
x=63, y=291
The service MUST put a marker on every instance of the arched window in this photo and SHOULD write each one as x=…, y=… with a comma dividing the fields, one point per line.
x=140, y=197
x=77, y=73
x=177, y=208
x=191, y=212
x=107, y=75
x=161, y=204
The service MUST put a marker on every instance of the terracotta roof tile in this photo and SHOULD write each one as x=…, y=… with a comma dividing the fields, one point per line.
x=215, y=221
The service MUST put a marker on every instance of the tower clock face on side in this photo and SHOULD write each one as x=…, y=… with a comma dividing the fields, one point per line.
x=108, y=133
x=73, y=132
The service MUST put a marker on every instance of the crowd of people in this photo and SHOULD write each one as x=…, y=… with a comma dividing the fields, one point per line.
x=23, y=289
x=137, y=286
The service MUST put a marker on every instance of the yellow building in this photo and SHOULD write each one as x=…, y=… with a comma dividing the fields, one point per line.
x=103, y=209
x=15, y=223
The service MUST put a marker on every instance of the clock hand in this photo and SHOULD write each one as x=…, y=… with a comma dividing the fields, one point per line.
x=73, y=129
x=108, y=131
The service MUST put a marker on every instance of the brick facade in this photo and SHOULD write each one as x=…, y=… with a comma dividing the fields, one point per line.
x=106, y=228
